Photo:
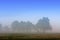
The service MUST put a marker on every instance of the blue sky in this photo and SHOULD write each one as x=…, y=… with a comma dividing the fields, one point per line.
x=12, y=8
x=30, y=10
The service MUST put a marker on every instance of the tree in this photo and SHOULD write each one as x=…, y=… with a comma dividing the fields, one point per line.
x=6, y=29
x=18, y=27
x=44, y=24
x=29, y=26
x=47, y=23
x=15, y=26
x=22, y=26
x=0, y=27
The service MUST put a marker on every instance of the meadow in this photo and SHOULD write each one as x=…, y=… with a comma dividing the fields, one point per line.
x=16, y=36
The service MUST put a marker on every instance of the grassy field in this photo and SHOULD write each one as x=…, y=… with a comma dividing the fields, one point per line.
x=16, y=36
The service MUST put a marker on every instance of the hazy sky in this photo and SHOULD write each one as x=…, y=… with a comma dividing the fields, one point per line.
x=30, y=10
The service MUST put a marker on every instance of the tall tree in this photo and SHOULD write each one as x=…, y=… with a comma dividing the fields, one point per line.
x=22, y=26
x=44, y=24
x=29, y=26
x=18, y=27
x=0, y=27
x=15, y=26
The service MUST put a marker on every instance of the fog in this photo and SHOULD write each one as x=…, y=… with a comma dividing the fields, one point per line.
x=31, y=13
x=7, y=22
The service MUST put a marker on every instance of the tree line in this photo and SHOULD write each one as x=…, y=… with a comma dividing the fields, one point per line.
x=42, y=25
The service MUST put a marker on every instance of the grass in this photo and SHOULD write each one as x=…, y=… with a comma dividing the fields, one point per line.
x=16, y=36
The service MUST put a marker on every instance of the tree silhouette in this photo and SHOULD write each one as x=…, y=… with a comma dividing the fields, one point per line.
x=43, y=24
x=29, y=26
x=6, y=29
x=15, y=26
x=0, y=27
x=22, y=26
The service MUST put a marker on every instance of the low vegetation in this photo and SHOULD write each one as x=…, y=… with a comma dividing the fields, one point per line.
x=29, y=36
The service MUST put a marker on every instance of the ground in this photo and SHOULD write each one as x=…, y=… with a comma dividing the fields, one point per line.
x=29, y=36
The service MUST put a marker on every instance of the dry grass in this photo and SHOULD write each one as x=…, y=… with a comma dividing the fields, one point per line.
x=29, y=36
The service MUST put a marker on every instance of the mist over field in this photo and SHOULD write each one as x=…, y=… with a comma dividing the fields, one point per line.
x=29, y=16
x=40, y=26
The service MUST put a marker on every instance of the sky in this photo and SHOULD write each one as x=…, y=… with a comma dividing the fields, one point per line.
x=30, y=10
